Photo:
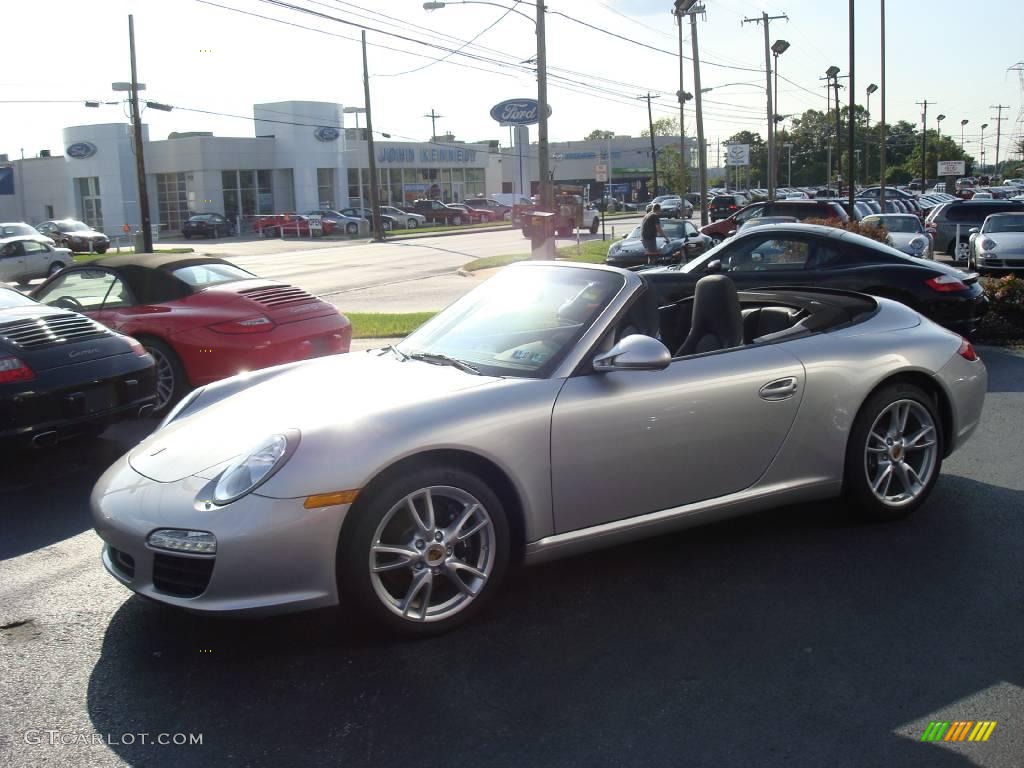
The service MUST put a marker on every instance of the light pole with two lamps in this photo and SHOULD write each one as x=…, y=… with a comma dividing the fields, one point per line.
x=779, y=47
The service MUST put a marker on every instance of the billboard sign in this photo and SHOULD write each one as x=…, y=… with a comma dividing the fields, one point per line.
x=952, y=168
x=737, y=154
x=600, y=172
x=518, y=112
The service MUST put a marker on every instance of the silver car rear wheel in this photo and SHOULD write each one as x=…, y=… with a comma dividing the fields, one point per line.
x=899, y=457
x=432, y=554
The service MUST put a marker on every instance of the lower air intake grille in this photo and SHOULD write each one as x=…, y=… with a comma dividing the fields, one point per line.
x=182, y=576
x=123, y=562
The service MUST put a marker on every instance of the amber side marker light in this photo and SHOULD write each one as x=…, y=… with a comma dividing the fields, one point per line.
x=330, y=499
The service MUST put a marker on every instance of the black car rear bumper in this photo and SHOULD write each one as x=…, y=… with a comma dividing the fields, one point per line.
x=69, y=399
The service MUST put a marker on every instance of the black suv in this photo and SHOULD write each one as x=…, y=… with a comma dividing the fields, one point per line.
x=943, y=221
x=724, y=206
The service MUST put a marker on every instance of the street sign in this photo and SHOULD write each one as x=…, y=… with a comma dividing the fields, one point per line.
x=600, y=172
x=952, y=168
x=316, y=225
x=737, y=154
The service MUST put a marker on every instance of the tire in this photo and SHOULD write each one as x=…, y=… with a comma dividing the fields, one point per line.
x=172, y=383
x=102, y=249
x=55, y=267
x=429, y=551
x=412, y=224
x=956, y=248
x=351, y=228
x=879, y=456
x=186, y=235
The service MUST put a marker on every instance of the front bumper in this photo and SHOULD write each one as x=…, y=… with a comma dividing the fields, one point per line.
x=1001, y=261
x=273, y=555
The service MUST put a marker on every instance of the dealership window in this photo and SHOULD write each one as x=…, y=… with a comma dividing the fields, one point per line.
x=475, y=184
x=172, y=201
x=247, y=193
x=355, y=186
x=90, y=205
x=325, y=187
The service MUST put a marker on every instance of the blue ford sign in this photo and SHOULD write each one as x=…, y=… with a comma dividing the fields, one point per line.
x=518, y=112
x=326, y=133
x=81, y=150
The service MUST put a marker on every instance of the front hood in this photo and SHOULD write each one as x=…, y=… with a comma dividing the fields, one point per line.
x=343, y=392
x=902, y=240
x=1006, y=241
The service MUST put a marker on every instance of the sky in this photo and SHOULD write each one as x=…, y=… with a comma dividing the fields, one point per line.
x=198, y=55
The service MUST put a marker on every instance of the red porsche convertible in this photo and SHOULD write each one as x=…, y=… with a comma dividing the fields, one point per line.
x=200, y=317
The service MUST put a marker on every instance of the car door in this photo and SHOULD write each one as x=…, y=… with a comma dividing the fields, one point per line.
x=629, y=443
x=12, y=262
x=765, y=259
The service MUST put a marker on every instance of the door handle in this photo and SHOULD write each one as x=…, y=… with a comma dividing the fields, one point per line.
x=780, y=389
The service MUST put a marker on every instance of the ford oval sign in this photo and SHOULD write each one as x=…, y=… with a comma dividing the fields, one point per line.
x=326, y=133
x=518, y=112
x=81, y=150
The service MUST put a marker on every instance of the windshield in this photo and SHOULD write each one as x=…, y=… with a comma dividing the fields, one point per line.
x=72, y=226
x=1008, y=222
x=17, y=230
x=9, y=298
x=203, y=275
x=521, y=322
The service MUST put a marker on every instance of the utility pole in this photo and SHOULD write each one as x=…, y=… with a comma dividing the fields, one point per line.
x=924, y=141
x=999, y=124
x=433, y=123
x=765, y=19
x=683, y=95
x=850, y=166
x=832, y=80
x=881, y=124
x=546, y=197
x=375, y=222
x=654, y=151
x=140, y=162
x=702, y=159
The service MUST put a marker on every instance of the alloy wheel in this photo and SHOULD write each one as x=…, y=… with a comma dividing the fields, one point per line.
x=900, y=453
x=432, y=554
x=165, y=382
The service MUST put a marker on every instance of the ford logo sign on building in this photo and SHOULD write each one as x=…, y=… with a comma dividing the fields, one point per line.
x=81, y=150
x=326, y=133
x=518, y=112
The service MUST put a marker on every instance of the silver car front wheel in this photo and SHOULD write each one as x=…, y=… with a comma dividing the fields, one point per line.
x=423, y=552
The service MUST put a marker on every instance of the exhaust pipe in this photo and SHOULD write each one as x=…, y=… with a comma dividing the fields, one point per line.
x=45, y=439
x=145, y=410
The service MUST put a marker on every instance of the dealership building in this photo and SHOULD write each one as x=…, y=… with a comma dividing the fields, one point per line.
x=301, y=158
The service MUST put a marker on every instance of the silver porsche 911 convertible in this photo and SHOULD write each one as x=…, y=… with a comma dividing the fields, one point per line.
x=554, y=409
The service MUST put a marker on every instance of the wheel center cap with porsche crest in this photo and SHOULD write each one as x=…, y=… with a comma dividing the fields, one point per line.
x=434, y=555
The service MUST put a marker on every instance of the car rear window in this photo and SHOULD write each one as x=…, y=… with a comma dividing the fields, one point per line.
x=975, y=212
x=205, y=275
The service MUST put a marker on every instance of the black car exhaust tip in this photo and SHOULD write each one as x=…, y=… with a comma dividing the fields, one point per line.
x=44, y=439
x=145, y=410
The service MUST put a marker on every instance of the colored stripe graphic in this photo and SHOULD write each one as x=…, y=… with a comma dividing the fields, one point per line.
x=958, y=730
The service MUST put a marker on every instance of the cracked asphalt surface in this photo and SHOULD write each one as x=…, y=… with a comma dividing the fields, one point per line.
x=795, y=637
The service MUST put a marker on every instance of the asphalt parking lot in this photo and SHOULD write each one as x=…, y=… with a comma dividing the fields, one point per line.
x=792, y=637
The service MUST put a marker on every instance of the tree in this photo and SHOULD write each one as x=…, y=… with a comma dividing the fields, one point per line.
x=599, y=134
x=672, y=174
x=939, y=148
x=663, y=126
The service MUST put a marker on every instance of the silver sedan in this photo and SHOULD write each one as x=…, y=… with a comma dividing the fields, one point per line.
x=555, y=409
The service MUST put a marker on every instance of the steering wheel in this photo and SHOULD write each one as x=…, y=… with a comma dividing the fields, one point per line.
x=68, y=302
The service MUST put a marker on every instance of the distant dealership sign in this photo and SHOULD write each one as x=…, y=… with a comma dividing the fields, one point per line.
x=81, y=150
x=409, y=155
x=737, y=154
x=952, y=168
x=518, y=112
x=327, y=133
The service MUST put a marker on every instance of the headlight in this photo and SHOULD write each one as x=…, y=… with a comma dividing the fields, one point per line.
x=249, y=471
x=917, y=244
x=987, y=244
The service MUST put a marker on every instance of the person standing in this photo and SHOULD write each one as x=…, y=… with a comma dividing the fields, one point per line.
x=650, y=231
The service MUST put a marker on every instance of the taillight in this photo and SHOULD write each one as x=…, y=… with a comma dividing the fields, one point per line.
x=967, y=351
x=13, y=370
x=945, y=284
x=135, y=347
x=259, y=324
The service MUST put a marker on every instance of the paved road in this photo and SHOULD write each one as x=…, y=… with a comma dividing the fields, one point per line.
x=411, y=275
x=790, y=638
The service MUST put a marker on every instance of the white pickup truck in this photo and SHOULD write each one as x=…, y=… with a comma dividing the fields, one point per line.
x=23, y=259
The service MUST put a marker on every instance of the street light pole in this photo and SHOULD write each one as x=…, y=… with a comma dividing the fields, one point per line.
x=140, y=163
x=850, y=160
x=765, y=20
x=654, y=150
x=778, y=48
x=691, y=8
x=881, y=124
x=789, y=163
x=867, y=132
x=938, y=125
x=962, y=124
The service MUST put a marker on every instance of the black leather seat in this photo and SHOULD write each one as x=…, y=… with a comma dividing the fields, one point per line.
x=762, y=321
x=717, y=322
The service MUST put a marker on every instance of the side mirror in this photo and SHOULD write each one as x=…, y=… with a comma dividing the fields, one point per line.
x=715, y=265
x=634, y=353
x=973, y=230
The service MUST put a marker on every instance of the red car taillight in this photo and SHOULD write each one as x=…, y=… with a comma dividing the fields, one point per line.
x=259, y=324
x=732, y=207
x=13, y=370
x=945, y=284
x=967, y=351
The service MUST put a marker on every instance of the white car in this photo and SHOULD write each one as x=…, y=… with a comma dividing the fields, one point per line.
x=999, y=244
x=906, y=233
x=23, y=259
x=404, y=218
x=21, y=229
